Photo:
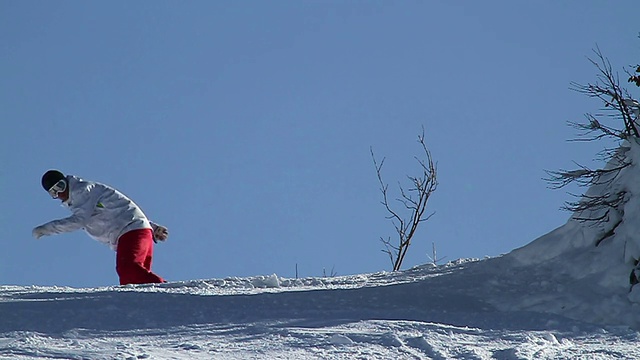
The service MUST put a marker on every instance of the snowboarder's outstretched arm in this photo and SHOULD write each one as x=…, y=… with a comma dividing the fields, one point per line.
x=69, y=224
x=81, y=213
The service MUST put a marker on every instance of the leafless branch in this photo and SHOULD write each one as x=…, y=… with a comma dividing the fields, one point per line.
x=607, y=88
x=414, y=202
x=583, y=176
x=620, y=107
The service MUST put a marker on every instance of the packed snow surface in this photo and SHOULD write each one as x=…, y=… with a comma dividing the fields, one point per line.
x=496, y=308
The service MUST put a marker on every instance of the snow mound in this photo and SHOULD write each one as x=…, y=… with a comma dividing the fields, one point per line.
x=582, y=269
x=465, y=309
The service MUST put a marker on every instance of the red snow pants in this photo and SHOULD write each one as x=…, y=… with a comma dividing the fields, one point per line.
x=133, y=258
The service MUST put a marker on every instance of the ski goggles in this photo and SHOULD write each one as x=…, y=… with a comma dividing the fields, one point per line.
x=58, y=187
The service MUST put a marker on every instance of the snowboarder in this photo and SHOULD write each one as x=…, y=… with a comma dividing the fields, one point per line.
x=109, y=217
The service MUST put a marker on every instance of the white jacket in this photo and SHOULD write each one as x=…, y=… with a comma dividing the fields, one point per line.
x=100, y=210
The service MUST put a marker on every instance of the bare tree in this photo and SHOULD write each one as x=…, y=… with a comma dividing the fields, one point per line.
x=412, y=204
x=622, y=110
x=616, y=99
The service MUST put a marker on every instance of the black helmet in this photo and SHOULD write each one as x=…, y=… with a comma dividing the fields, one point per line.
x=50, y=178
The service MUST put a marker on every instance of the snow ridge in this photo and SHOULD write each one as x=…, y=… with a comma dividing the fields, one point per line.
x=465, y=309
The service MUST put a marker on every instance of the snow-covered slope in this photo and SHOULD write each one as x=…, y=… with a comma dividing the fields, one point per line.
x=563, y=296
x=582, y=269
x=467, y=310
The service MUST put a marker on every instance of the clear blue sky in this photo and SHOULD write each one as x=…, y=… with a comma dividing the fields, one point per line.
x=245, y=127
